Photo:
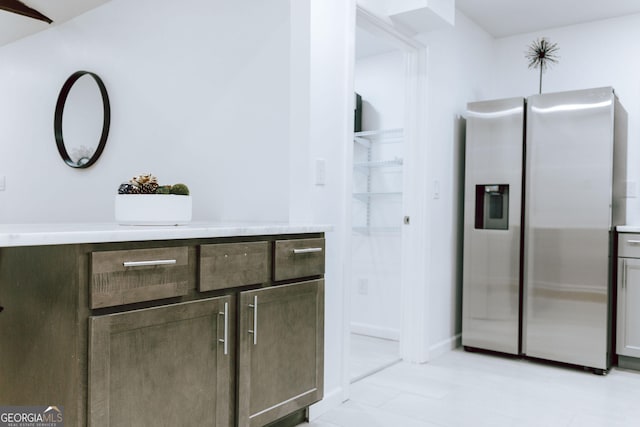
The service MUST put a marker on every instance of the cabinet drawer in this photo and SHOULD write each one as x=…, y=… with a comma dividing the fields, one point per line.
x=629, y=245
x=227, y=265
x=125, y=277
x=298, y=258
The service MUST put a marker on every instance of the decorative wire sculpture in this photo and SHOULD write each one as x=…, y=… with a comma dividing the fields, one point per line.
x=541, y=54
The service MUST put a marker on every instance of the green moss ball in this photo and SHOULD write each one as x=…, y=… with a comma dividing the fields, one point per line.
x=180, y=189
x=163, y=189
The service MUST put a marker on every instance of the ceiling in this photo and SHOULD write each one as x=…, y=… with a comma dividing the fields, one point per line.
x=14, y=27
x=502, y=18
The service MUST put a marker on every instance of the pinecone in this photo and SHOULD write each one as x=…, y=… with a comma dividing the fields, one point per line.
x=144, y=184
x=148, y=188
x=145, y=178
x=127, y=188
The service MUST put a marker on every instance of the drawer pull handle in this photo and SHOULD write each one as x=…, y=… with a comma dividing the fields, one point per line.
x=633, y=242
x=149, y=263
x=254, y=331
x=306, y=251
x=225, y=338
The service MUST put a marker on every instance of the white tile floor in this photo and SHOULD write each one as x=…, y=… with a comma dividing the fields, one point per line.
x=475, y=389
x=369, y=355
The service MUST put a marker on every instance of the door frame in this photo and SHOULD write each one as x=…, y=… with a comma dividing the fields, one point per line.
x=416, y=246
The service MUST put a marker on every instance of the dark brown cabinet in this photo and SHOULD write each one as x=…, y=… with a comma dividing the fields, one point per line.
x=130, y=276
x=296, y=258
x=280, y=356
x=229, y=265
x=168, y=365
x=216, y=332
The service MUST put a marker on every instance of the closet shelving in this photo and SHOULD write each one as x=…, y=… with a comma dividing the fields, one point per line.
x=378, y=164
x=365, y=197
x=382, y=136
x=369, y=140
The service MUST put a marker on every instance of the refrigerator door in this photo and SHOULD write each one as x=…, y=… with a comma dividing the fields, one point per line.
x=567, y=226
x=492, y=225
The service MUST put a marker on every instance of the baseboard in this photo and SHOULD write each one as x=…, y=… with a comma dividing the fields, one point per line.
x=375, y=331
x=628, y=362
x=445, y=346
x=331, y=400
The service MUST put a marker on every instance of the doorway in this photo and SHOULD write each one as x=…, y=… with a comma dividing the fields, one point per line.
x=375, y=318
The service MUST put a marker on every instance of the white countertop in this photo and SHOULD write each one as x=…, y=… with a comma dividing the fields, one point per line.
x=628, y=228
x=60, y=234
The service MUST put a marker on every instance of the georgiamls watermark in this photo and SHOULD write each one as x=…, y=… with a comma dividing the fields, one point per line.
x=31, y=416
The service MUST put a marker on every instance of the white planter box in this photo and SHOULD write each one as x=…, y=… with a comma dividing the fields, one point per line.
x=152, y=209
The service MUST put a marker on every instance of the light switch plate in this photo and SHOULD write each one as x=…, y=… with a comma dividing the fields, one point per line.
x=3, y=182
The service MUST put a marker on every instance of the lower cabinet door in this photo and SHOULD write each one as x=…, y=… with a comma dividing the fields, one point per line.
x=628, y=325
x=281, y=351
x=169, y=366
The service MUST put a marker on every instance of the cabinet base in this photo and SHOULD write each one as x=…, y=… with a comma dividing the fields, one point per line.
x=629, y=362
x=291, y=420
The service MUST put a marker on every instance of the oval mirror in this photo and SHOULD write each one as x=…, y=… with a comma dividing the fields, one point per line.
x=82, y=119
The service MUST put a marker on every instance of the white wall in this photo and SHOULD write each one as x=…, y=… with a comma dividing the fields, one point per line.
x=199, y=94
x=331, y=39
x=460, y=67
x=380, y=81
x=603, y=53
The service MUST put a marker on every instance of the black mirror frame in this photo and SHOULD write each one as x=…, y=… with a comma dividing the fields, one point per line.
x=57, y=121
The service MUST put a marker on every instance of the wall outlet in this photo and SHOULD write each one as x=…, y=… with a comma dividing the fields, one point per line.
x=363, y=287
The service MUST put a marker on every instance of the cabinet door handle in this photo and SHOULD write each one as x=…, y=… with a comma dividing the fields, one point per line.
x=624, y=273
x=254, y=331
x=149, y=263
x=306, y=250
x=633, y=242
x=225, y=320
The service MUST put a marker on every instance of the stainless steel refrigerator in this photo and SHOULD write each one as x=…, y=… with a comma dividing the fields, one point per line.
x=544, y=187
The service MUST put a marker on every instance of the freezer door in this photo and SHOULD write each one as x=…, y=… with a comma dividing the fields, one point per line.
x=567, y=226
x=492, y=225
